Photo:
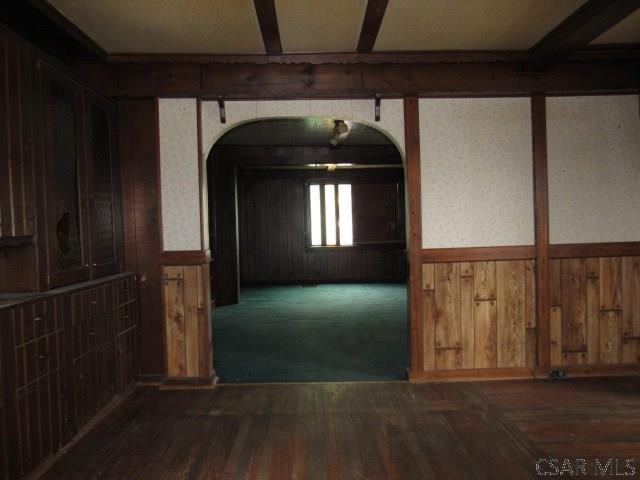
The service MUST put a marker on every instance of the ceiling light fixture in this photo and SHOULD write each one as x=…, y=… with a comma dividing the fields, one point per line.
x=340, y=129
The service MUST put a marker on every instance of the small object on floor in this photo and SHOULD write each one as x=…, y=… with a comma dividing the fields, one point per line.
x=558, y=375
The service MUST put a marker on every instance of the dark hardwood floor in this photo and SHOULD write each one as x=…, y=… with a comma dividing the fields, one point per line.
x=362, y=431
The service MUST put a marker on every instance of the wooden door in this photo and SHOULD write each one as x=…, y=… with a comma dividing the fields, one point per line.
x=67, y=221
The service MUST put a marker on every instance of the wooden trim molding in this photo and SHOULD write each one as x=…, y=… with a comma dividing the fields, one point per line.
x=477, y=254
x=585, y=250
x=268, y=20
x=185, y=257
x=412, y=152
x=541, y=219
x=472, y=374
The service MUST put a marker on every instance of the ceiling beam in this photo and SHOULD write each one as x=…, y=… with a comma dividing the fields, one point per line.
x=578, y=30
x=371, y=25
x=268, y=20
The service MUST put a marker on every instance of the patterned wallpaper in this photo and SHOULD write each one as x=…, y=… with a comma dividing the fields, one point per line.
x=593, y=147
x=180, y=183
x=476, y=172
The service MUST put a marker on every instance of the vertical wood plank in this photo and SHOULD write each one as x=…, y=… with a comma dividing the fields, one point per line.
x=428, y=276
x=429, y=330
x=610, y=283
x=555, y=336
x=531, y=348
x=574, y=358
x=530, y=294
x=466, y=269
x=610, y=336
x=555, y=283
x=448, y=359
x=414, y=201
x=510, y=279
x=593, y=320
x=205, y=347
x=593, y=267
x=631, y=350
x=466, y=320
x=574, y=305
x=447, y=296
x=631, y=296
x=484, y=280
x=191, y=320
x=485, y=329
x=174, y=322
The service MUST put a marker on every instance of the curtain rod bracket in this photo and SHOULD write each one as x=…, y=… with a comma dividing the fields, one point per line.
x=223, y=111
x=377, y=107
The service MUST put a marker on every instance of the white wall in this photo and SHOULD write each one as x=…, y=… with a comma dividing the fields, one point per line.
x=593, y=148
x=179, y=174
x=476, y=172
x=179, y=159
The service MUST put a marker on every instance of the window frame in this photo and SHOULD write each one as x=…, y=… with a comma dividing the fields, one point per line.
x=391, y=245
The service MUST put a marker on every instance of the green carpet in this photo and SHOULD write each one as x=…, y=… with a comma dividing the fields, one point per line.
x=333, y=332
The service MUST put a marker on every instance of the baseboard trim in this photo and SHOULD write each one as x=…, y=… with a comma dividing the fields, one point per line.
x=189, y=383
x=478, y=254
x=489, y=374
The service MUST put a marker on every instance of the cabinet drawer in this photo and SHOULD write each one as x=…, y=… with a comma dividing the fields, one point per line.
x=125, y=317
x=92, y=319
x=37, y=358
x=125, y=290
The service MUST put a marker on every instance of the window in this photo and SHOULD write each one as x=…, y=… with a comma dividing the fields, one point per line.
x=330, y=214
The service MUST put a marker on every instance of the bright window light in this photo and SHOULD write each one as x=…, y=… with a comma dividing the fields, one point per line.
x=330, y=214
x=344, y=208
x=316, y=215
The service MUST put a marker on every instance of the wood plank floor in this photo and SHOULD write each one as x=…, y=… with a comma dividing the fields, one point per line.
x=361, y=431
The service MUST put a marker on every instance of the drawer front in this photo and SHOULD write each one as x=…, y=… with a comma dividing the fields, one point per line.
x=125, y=317
x=37, y=423
x=125, y=290
x=92, y=324
x=126, y=359
x=35, y=340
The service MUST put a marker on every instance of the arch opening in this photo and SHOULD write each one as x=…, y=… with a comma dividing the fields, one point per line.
x=307, y=220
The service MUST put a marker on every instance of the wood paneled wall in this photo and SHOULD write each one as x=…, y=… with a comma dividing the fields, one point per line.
x=272, y=241
x=595, y=311
x=479, y=315
x=187, y=322
x=138, y=152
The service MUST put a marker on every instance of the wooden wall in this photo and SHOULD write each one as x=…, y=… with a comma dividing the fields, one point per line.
x=138, y=151
x=188, y=322
x=479, y=318
x=595, y=311
x=272, y=241
x=479, y=315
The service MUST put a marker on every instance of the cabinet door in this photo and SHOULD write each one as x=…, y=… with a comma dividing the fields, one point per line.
x=103, y=196
x=68, y=259
x=17, y=214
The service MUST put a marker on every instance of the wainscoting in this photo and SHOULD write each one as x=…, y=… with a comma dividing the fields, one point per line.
x=479, y=317
x=187, y=312
x=595, y=311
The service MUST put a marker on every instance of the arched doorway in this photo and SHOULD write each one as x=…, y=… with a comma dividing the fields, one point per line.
x=312, y=270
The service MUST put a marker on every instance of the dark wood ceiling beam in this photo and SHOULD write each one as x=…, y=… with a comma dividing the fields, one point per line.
x=268, y=21
x=583, y=26
x=276, y=81
x=62, y=22
x=371, y=25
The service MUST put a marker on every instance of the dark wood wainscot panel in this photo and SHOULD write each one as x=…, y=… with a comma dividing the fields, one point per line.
x=64, y=357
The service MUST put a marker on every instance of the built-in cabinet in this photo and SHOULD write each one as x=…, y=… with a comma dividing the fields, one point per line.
x=17, y=201
x=64, y=357
x=59, y=195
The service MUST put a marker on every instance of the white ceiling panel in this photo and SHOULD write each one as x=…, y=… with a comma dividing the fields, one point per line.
x=320, y=26
x=469, y=25
x=167, y=26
